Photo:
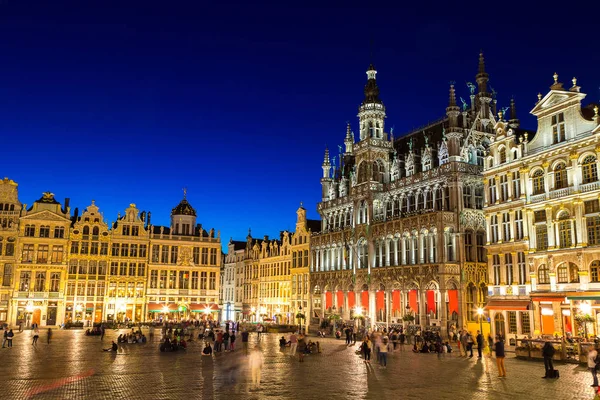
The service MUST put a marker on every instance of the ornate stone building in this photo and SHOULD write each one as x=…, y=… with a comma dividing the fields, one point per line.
x=232, y=278
x=89, y=259
x=184, y=270
x=41, y=268
x=10, y=209
x=402, y=222
x=542, y=194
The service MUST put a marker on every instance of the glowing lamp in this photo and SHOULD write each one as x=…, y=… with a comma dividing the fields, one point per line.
x=480, y=311
x=547, y=311
x=165, y=309
x=207, y=310
x=78, y=308
x=358, y=310
x=29, y=308
x=566, y=313
x=585, y=308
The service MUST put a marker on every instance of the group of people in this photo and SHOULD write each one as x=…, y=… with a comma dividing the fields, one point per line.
x=8, y=335
x=132, y=337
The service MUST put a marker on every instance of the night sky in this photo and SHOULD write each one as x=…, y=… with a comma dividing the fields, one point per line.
x=131, y=103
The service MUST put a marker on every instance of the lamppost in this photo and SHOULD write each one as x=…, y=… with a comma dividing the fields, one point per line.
x=480, y=313
x=29, y=310
x=300, y=312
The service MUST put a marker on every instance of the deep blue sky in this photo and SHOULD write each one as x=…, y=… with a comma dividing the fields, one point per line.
x=131, y=102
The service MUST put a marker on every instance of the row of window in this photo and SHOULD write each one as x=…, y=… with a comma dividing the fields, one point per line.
x=39, y=281
x=93, y=248
x=509, y=264
x=81, y=289
x=589, y=173
x=511, y=228
x=300, y=259
x=567, y=273
x=274, y=269
x=300, y=284
x=43, y=255
x=44, y=231
x=165, y=254
x=273, y=289
x=183, y=280
x=499, y=188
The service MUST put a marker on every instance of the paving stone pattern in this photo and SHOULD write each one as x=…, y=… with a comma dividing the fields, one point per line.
x=74, y=366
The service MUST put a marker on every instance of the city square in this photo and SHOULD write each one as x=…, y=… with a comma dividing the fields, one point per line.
x=74, y=366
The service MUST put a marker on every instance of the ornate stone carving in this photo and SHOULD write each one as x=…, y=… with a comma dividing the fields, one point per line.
x=472, y=219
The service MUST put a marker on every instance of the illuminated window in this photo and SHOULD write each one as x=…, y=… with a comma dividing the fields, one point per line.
x=558, y=128
x=560, y=176
x=589, y=169
x=543, y=277
x=595, y=271
x=512, y=321
x=562, y=274
x=564, y=230
x=538, y=182
x=502, y=155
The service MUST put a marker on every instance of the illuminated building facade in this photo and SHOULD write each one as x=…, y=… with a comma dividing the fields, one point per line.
x=403, y=230
x=10, y=210
x=542, y=211
x=184, y=270
x=232, y=278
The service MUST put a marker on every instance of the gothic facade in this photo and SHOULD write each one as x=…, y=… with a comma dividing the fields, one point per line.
x=403, y=230
x=542, y=210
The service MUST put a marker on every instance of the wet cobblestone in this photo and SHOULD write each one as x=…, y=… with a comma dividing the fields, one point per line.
x=74, y=366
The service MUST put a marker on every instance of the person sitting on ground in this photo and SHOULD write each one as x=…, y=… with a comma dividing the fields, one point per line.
x=113, y=347
x=425, y=348
x=207, y=349
x=415, y=348
x=282, y=342
x=448, y=347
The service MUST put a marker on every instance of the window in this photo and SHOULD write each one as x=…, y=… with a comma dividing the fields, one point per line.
x=516, y=182
x=126, y=230
x=94, y=248
x=71, y=289
x=508, y=262
x=525, y=325
x=594, y=271
x=10, y=247
x=502, y=155
x=143, y=251
x=141, y=269
x=25, y=281
x=83, y=267
x=591, y=206
x=93, y=268
x=589, y=169
x=560, y=176
x=194, y=280
x=504, y=188
x=203, y=280
x=506, y=227
x=213, y=281
x=480, y=239
x=512, y=321
x=59, y=232
x=81, y=289
x=114, y=268
x=102, y=268
x=471, y=298
x=100, y=289
x=564, y=230
x=467, y=197
x=95, y=233
x=492, y=189
x=496, y=268
x=91, y=289
x=42, y=254
x=135, y=231
x=153, y=279
x=522, y=268
x=204, y=256
x=184, y=279
x=538, y=182
x=55, y=281
x=40, y=282
x=519, y=225
x=558, y=128
x=124, y=250
x=133, y=250
x=123, y=269
x=539, y=216
x=30, y=230
x=163, y=279
x=44, y=231
x=174, y=251
x=84, y=248
x=155, y=253
x=7, y=275
x=27, y=256
x=562, y=274
x=543, y=277
x=469, y=245
x=573, y=273
x=439, y=200
x=494, y=228
x=132, y=269
x=172, y=279
x=593, y=230
x=213, y=256
x=541, y=237
x=164, y=254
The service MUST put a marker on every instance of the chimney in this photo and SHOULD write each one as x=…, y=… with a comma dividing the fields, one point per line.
x=67, y=202
x=266, y=238
x=148, y=220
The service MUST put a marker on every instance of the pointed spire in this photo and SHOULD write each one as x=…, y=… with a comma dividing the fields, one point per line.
x=348, y=131
x=452, y=100
x=326, y=160
x=371, y=88
x=482, y=76
x=452, y=111
x=481, y=63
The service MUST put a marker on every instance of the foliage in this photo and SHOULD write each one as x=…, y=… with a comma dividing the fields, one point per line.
x=408, y=317
x=300, y=316
x=334, y=317
x=358, y=316
x=581, y=318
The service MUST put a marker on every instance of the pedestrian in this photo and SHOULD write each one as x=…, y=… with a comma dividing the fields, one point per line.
x=479, y=338
x=548, y=352
x=5, y=337
x=499, y=350
x=10, y=337
x=259, y=330
x=463, y=343
x=593, y=362
x=294, y=343
x=256, y=363
x=245, y=335
x=353, y=336
x=491, y=342
x=347, y=332
x=49, y=334
x=36, y=335
x=301, y=348
x=383, y=352
x=101, y=331
x=232, y=341
x=470, y=344
x=366, y=349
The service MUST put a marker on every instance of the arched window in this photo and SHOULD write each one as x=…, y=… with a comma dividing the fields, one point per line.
x=377, y=172
x=543, y=277
x=405, y=204
x=564, y=230
x=502, y=155
x=95, y=231
x=439, y=199
x=362, y=172
x=560, y=176
x=562, y=273
x=411, y=202
x=538, y=182
x=389, y=212
x=429, y=200
x=86, y=230
x=573, y=273
x=420, y=201
x=589, y=169
x=471, y=298
x=595, y=271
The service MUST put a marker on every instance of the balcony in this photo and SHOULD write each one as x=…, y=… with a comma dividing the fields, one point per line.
x=558, y=193
x=589, y=187
x=536, y=198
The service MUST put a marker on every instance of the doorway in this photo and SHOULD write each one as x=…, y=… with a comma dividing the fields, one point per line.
x=37, y=316
x=499, y=325
x=51, y=319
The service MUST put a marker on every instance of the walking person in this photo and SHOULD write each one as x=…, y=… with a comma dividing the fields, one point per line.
x=36, y=335
x=479, y=338
x=294, y=343
x=463, y=343
x=10, y=337
x=548, y=352
x=259, y=330
x=383, y=352
x=256, y=363
x=245, y=335
x=499, y=350
x=301, y=348
x=593, y=362
x=101, y=332
x=49, y=334
x=366, y=349
x=469, y=344
x=232, y=341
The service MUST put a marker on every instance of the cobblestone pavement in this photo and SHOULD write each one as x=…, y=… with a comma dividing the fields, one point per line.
x=73, y=366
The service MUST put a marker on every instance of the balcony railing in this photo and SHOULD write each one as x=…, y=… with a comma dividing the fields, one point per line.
x=588, y=187
x=558, y=193
x=538, y=197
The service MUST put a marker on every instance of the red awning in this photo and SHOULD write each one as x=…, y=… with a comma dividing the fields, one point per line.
x=412, y=300
x=340, y=299
x=328, y=300
x=364, y=300
x=351, y=299
x=509, y=305
x=560, y=299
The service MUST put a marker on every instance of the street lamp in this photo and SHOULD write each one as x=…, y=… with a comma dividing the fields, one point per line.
x=29, y=310
x=300, y=312
x=480, y=313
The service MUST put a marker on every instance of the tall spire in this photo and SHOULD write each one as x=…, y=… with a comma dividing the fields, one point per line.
x=513, y=121
x=482, y=76
x=326, y=159
x=452, y=111
x=349, y=140
x=371, y=88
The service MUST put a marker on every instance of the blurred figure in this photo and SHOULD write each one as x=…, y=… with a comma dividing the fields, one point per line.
x=256, y=363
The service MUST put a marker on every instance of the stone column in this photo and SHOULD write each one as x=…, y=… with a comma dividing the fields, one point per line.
x=509, y=180
x=431, y=238
x=580, y=223
x=573, y=239
x=443, y=313
x=421, y=252
x=488, y=231
x=372, y=306
x=552, y=242
x=404, y=260
x=346, y=314
x=387, y=252
x=486, y=191
x=511, y=216
x=574, y=171
x=525, y=183
x=395, y=251
x=380, y=250
x=502, y=269
x=388, y=297
x=422, y=309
